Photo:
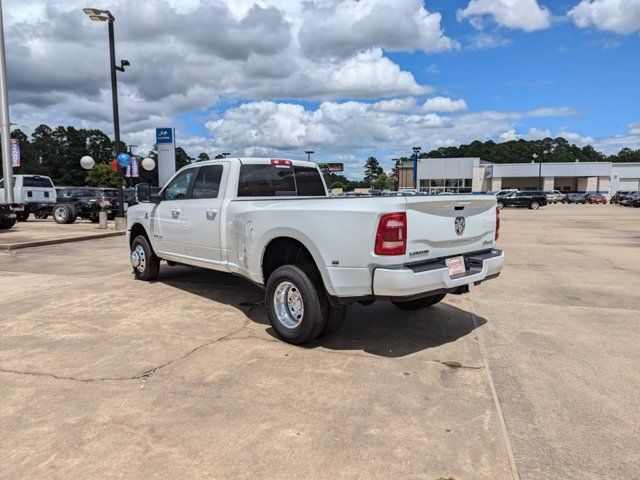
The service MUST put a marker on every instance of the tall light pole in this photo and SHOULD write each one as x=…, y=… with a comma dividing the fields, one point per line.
x=309, y=153
x=5, y=126
x=416, y=152
x=106, y=16
x=535, y=155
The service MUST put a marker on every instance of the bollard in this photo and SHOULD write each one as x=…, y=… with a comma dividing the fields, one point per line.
x=102, y=217
x=121, y=223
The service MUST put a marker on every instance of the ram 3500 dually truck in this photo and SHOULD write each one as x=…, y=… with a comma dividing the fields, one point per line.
x=273, y=222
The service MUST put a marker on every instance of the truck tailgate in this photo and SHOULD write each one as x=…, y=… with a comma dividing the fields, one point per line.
x=442, y=226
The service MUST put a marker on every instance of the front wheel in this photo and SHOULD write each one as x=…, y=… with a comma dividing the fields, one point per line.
x=420, y=302
x=296, y=302
x=500, y=205
x=534, y=205
x=6, y=223
x=144, y=261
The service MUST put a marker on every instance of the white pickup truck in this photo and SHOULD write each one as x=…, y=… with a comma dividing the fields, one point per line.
x=272, y=222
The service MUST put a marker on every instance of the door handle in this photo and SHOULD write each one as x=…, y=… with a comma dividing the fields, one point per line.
x=211, y=214
x=175, y=213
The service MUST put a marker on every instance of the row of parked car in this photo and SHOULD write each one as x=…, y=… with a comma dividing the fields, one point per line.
x=36, y=194
x=627, y=199
x=534, y=199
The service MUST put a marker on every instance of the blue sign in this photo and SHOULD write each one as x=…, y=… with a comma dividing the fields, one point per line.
x=164, y=135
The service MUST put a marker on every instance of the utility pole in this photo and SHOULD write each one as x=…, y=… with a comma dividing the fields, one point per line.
x=5, y=125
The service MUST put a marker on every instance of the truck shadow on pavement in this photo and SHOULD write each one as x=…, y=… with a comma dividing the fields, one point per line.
x=378, y=329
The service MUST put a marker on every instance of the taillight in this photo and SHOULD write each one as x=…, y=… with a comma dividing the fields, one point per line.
x=279, y=162
x=391, y=238
x=497, y=223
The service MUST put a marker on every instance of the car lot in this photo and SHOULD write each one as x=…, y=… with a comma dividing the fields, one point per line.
x=104, y=376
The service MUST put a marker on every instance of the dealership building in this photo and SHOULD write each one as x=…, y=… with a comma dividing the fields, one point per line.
x=471, y=175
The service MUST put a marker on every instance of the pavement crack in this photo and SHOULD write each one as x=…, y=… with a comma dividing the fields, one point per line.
x=143, y=375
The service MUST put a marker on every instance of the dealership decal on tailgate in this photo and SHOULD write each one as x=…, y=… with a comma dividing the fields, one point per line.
x=455, y=265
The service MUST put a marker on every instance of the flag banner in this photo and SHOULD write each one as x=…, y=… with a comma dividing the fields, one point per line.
x=135, y=167
x=15, y=152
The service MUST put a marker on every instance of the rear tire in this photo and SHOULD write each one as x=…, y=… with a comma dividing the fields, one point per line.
x=93, y=218
x=296, y=303
x=420, y=302
x=335, y=318
x=500, y=205
x=144, y=261
x=22, y=216
x=62, y=213
x=534, y=205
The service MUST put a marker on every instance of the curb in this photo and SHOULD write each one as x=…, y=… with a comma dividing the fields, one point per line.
x=55, y=241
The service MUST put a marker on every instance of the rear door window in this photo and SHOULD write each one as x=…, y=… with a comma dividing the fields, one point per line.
x=207, y=183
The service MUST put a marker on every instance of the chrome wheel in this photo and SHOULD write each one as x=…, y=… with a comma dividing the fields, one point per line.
x=138, y=258
x=288, y=304
x=534, y=205
x=60, y=214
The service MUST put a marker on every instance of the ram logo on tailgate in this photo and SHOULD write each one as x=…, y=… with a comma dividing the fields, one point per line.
x=459, y=225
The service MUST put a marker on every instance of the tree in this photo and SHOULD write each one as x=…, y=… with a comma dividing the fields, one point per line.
x=182, y=158
x=203, y=157
x=101, y=175
x=372, y=170
x=382, y=182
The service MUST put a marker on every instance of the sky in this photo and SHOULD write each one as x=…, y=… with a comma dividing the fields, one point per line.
x=345, y=78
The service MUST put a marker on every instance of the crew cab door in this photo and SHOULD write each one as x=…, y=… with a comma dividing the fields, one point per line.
x=201, y=213
x=166, y=222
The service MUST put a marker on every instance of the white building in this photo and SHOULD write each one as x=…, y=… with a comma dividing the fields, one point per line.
x=467, y=175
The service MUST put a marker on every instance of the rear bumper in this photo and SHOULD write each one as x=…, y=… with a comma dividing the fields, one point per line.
x=433, y=277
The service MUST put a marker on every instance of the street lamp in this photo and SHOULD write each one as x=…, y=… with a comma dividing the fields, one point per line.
x=535, y=155
x=416, y=152
x=97, y=15
x=309, y=153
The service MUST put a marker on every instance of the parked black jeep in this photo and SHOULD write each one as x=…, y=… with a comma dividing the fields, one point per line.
x=532, y=200
x=86, y=203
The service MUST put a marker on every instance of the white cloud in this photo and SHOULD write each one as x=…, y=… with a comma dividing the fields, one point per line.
x=634, y=128
x=527, y=15
x=356, y=129
x=339, y=27
x=618, y=16
x=189, y=55
x=444, y=104
x=370, y=74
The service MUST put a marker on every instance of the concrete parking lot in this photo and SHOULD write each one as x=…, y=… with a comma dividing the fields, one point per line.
x=533, y=375
x=35, y=233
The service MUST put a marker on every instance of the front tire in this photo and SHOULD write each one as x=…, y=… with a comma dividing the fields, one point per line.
x=500, y=205
x=420, y=302
x=296, y=303
x=534, y=205
x=22, y=216
x=7, y=223
x=144, y=261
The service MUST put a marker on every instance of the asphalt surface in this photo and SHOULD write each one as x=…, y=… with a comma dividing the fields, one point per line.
x=105, y=376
